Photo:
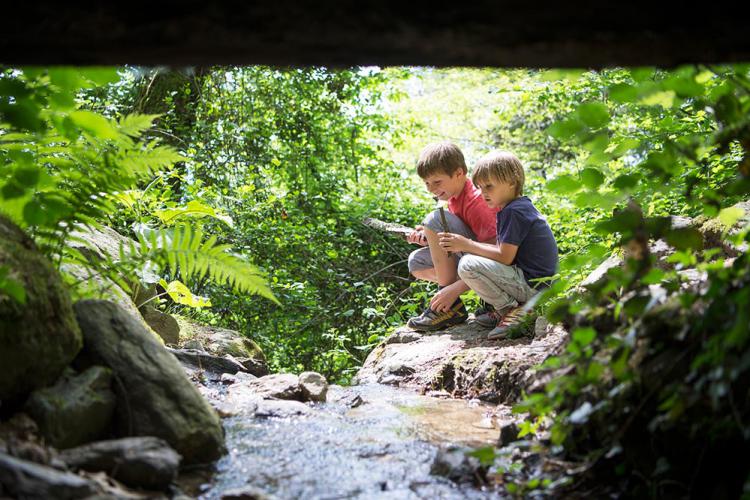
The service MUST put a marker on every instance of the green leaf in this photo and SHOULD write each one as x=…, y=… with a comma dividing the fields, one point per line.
x=565, y=129
x=100, y=75
x=94, y=124
x=592, y=177
x=623, y=93
x=27, y=176
x=626, y=182
x=685, y=238
x=485, y=455
x=593, y=114
x=583, y=336
x=730, y=215
x=564, y=184
x=134, y=125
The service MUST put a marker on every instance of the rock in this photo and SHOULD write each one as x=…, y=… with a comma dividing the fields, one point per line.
x=207, y=362
x=281, y=409
x=193, y=344
x=454, y=464
x=23, y=479
x=139, y=462
x=314, y=386
x=40, y=338
x=403, y=337
x=154, y=396
x=462, y=362
x=76, y=410
x=19, y=437
x=508, y=434
x=163, y=324
x=222, y=342
x=278, y=385
x=245, y=493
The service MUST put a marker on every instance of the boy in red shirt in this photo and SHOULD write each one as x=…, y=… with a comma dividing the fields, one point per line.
x=443, y=168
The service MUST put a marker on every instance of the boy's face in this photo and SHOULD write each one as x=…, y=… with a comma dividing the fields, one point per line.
x=445, y=186
x=497, y=193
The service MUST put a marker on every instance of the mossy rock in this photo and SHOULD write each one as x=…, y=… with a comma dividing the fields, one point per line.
x=40, y=338
x=219, y=341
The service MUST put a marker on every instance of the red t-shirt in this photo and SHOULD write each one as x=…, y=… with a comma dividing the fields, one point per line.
x=471, y=208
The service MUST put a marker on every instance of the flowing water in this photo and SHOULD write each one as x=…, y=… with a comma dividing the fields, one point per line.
x=369, y=441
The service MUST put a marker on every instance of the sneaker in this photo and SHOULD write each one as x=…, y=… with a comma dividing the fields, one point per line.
x=432, y=320
x=486, y=316
x=509, y=319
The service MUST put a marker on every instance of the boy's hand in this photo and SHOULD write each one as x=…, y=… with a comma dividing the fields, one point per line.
x=453, y=242
x=444, y=299
x=417, y=237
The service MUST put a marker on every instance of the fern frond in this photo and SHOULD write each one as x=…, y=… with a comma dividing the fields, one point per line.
x=182, y=251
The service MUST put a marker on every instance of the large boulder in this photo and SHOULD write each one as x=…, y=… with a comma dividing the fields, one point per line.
x=40, y=338
x=154, y=396
x=104, y=244
x=462, y=361
x=77, y=409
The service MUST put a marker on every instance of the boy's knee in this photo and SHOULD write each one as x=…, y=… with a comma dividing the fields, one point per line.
x=433, y=221
x=417, y=261
x=468, y=266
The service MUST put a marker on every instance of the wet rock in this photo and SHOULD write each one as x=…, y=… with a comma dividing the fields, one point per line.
x=246, y=493
x=23, y=479
x=76, y=410
x=454, y=464
x=162, y=323
x=314, y=386
x=281, y=409
x=278, y=385
x=508, y=434
x=140, y=462
x=41, y=337
x=222, y=342
x=207, y=362
x=154, y=396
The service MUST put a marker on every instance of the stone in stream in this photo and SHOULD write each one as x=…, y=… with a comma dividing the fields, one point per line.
x=23, y=479
x=278, y=385
x=140, y=462
x=281, y=409
x=39, y=338
x=314, y=386
x=76, y=410
x=246, y=493
x=208, y=362
x=455, y=464
x=154, y=396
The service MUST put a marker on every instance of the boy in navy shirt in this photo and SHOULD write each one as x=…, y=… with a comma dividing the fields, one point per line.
x=504, y=274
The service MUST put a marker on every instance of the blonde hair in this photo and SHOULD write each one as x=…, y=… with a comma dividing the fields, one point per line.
x=500, y=166
x=440, y=157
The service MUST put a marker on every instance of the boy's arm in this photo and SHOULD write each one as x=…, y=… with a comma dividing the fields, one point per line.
x=504, y=253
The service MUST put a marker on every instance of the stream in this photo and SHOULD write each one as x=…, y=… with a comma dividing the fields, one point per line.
x=370, y=441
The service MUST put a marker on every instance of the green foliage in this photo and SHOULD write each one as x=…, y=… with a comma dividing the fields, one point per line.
x=63, y=167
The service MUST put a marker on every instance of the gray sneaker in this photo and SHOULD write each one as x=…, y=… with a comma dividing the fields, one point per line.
x=485, y=316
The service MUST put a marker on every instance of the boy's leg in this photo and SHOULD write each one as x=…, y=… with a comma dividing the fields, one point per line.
x=420, y=265
x=445, y=273
x=504, y=287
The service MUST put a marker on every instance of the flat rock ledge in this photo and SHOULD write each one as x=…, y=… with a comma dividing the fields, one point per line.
x=462, y=361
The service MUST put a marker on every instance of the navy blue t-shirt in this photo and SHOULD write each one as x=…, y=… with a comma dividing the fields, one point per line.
x=520, y=223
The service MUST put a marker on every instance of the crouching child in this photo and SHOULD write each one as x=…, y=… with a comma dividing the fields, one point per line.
x=506, y=274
